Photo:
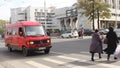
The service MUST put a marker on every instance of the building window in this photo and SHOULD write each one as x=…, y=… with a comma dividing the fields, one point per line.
x=20, y=13
x=113, y=3
x=41, y=10
x=119, y=4
x=35, y=10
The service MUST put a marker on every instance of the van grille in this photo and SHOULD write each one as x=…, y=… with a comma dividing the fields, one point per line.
x=40, y=41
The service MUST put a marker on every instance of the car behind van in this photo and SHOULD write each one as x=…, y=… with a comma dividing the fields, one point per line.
x=117, y=33
x=69, y=34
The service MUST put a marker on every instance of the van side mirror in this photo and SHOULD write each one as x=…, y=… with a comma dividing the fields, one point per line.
x=20, y=31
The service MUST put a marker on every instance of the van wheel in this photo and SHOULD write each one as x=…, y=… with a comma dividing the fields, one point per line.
x=47, y=50
x=10, y=49
x=62, y=36
x=70, y=36
x=25, y=51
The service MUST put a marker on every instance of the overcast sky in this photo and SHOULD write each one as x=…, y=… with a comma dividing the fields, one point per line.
x=5, y=5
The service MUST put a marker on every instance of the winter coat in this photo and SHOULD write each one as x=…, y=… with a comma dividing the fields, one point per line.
x=96, y=44
x=112, y=42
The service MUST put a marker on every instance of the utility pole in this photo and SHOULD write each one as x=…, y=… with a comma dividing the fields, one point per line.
x=98, y=18
x=116, y=13
x=93, y=13
x=45, y=14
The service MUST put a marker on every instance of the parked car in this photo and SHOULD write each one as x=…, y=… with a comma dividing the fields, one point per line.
x=88, y=32
x=69, y=34
x=117, y=32
x=103, y=31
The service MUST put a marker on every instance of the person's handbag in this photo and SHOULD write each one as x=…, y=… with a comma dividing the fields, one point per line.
x=105, y=41
x=117, y=51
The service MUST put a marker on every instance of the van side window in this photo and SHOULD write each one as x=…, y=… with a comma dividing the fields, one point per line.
x=20, y=31
x=9, y=32
x=14, y=31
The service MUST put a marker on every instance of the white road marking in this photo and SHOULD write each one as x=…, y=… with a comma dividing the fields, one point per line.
x=86, y=61
x=69, y=58
x=1, y=66
x=17, y=64
x=38, y=65
x=97, y=63
x=54, y=61
x=64, y=63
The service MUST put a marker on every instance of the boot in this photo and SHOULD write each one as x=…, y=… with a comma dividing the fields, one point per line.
x=115, y=58
x=100, y=56
x=92, y=59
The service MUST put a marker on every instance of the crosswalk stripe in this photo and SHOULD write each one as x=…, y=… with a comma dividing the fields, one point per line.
x=38, y=65
x=54, y=61
x=69, y=58
x=17, y=64
x=64, y=63
x=63, y=59
x=109, y=65
x=86, y=56
x=100, y=64
x=1, y=66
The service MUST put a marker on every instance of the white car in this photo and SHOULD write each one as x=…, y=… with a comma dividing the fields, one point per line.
x=69, y=34
x=117, y=33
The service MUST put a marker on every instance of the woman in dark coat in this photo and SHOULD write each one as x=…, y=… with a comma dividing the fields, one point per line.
x=96, y=45
x=112, y=41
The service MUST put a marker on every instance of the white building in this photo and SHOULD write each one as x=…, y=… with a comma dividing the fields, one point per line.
x=69, y=18
x=17, y=14
x=46, y=17
x=78, y=21
x=66, y=18
x=115, y=15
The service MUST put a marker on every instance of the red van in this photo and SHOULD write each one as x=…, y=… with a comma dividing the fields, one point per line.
x=27, y=36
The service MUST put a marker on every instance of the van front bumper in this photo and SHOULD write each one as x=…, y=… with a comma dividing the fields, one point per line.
x=39, y=48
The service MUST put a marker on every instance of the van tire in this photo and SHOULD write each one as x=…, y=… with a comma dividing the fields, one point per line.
x=47, y=50
x=25, y=51
x=10, y=49
x=70, y=36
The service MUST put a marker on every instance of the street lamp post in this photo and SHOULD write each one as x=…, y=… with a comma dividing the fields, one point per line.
x=98, y=18
x=93, y=14
x=45, y=14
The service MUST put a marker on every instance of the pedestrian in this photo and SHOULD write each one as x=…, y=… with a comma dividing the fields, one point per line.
x=48, y=33
x=112, y=41
x=82, y=33
x=96, y=45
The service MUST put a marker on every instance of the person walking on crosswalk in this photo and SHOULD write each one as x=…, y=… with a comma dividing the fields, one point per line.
x=96, y=45
x=111, y=43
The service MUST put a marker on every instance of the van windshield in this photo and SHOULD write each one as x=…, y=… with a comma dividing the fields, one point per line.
x=34, y=30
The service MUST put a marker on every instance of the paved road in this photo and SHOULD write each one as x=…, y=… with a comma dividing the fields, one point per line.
x=65, y=57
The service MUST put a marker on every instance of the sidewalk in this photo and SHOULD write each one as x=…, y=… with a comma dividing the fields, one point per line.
x=57, y=37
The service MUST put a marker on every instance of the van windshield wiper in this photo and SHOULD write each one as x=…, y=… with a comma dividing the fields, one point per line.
x=36, y=35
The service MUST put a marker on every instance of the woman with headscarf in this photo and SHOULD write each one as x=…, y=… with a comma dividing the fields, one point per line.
x=96, y=45
x=112, y=41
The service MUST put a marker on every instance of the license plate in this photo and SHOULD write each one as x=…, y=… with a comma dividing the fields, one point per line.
x=41, y=48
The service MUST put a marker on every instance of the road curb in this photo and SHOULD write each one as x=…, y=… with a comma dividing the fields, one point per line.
x=85, y=37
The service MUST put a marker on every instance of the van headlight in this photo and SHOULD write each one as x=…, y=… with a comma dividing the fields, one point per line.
x=30, y=43
x=48, y=41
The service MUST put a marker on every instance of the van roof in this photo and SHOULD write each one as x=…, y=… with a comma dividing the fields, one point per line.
x=28, y=23
x=24, y=23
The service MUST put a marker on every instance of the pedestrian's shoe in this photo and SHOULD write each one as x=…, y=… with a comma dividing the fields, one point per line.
x=100, y=57
x=115, y=58
x=92, y=59
x=108, y=59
